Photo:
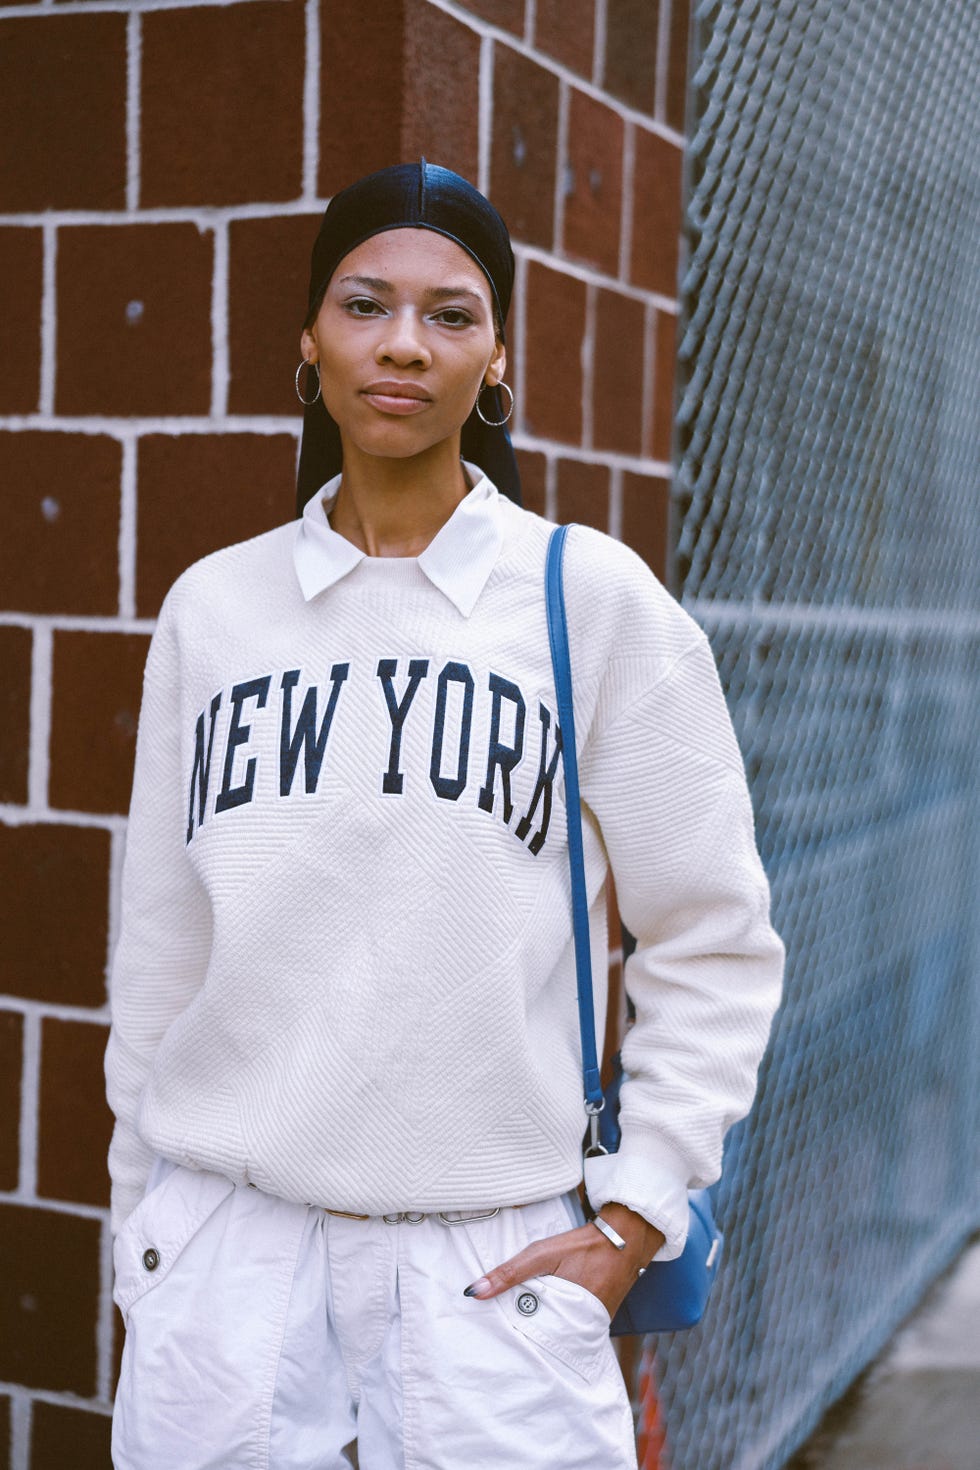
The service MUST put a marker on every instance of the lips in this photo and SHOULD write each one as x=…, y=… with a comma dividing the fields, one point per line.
x=388, y=395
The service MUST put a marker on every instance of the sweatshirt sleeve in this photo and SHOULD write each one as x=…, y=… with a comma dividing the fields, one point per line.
x=666, y=783
x=165, y=929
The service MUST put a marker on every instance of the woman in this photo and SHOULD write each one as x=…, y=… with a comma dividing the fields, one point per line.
x=344, y=1058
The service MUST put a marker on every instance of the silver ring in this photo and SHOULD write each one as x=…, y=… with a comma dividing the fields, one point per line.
x=495, y=423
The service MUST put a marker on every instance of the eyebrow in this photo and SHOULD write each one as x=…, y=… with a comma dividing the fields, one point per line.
x=433, y=293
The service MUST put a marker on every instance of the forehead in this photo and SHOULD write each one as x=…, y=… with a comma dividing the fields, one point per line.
x=414, y=258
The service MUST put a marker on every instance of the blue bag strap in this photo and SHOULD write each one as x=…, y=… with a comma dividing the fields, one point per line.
x=561, y=665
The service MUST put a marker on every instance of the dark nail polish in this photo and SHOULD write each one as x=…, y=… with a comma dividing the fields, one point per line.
x=470, y=1290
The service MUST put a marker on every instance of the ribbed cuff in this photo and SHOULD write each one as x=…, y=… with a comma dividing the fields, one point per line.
x=647, y=1178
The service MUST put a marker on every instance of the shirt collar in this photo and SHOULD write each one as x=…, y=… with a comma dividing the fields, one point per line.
x=458, y=560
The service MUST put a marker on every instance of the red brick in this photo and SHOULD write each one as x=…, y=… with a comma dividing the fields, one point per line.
x=533, y=471
x=62, y=1436
x=646, y=503
x=524, y=145
x=440, y=117
x=49, y=1296
x=566, y=30
x=54, y=883
x=11, y=1053
x=268, y=278
x=63, y=112
x=59, y=551
x=20, y=311
x=360, y=42
x=134, y=319
x=583, y=493
x=198, y=492
x=97, y=683
x=664, y=371
x=594, y=202
x=16, y=646
x=222, y=103
x=74, y=1121
x=631, y=51
x=507, y=14
x=675, y=109
x=617, y=392
x=656, y=213
x=553, y=369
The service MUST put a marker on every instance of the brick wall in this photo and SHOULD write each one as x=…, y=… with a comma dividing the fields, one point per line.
x=163, y=171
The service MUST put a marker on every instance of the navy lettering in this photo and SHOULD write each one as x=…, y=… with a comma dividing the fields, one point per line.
x=305, y=736
x=450, y=788
x=393, y=781
x=201, y=769
x=229, y=796
x=547, y=771
x=501, y=756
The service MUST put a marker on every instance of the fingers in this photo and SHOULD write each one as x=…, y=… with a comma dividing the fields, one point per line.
x=535, y=1260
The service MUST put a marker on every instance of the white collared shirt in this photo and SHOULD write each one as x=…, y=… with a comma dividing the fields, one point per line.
x=458, y=560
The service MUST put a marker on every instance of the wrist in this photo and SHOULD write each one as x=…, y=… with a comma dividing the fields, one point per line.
x=643, y=1240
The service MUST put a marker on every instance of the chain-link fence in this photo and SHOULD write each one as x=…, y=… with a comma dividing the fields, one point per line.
x=827, y=535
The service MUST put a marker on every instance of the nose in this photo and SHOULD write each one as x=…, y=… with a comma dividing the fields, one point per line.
x=403, y=343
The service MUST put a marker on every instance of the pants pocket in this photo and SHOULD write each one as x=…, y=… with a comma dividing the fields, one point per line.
x=175, y=1206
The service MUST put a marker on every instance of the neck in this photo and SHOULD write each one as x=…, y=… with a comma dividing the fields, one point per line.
x=394, y=507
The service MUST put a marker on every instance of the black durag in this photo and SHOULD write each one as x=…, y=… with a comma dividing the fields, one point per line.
x=418, y=196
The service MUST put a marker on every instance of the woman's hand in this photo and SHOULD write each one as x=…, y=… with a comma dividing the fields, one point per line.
x=583, y=1255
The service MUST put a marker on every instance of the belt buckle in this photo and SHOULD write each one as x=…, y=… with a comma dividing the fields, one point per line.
x=463, y=1217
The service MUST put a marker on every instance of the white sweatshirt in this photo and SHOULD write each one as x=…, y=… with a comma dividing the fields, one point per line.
x=345, y=970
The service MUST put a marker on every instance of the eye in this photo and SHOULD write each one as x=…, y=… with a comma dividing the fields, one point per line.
x=362, y=306
x=453, y=316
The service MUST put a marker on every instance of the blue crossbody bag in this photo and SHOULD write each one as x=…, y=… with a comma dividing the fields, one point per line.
x=670, y=1295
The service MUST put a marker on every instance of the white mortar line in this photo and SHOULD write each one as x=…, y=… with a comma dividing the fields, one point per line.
x=518, y=374
x=530, y=21
x=56, y=1207
x=117, y=854
x=49, y=317
x=626, y=214
x=662, y=66
x=127, y=530
x=587, y=359
x=96, y=7
x=311, y=101
x=104, y=1325
x=892, y=620
x=40, y=717
x=203, y=216
x=610, y=457
x=134, y=62
x=97, y=1015
x=485, y=115
x=21, y=1416
x=599, y=44
x=551, y=488
x=561, y=167
x=124, y=428
x=616, y=529
x=219, y=323
x=74, y=622
x=29, y=1102
x=649, y=379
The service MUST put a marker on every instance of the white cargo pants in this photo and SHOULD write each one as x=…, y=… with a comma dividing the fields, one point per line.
x=271, y=1335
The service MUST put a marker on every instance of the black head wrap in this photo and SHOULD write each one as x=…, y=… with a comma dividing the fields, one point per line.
x=412, y=196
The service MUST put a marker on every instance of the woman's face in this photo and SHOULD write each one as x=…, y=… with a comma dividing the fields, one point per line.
x=404, y=340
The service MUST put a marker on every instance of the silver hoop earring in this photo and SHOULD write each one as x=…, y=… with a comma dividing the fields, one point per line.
x=495, y=423
x=307, y=401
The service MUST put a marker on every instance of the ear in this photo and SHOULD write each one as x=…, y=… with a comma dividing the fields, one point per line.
x=308, y=345
x=496, y=367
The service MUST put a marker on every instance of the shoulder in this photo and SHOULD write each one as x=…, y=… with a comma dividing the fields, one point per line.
x=233, y=579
